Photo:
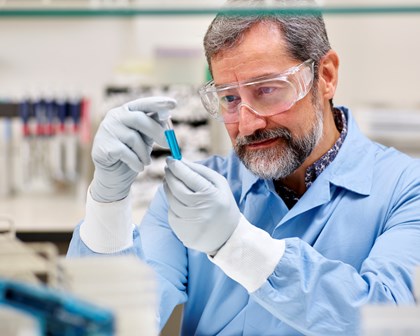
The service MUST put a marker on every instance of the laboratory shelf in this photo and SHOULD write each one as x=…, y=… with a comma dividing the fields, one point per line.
x=194, y=10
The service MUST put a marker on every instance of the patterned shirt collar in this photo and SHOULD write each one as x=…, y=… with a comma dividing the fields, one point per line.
x=314, y=170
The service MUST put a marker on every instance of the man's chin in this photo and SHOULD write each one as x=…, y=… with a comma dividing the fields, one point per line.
x=264, y=167
x=269, y=164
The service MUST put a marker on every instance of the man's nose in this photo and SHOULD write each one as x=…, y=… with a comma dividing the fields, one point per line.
x=249, y=121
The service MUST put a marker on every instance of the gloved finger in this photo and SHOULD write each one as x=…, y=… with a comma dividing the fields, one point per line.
x=146, y=125
x=120, y=152
x=175, y=205
x=183, y=231
x=180, y=191
x=139, y=143
x=190, y=178
x=185, y=195
x=209, y=174
x=169, y=194
x=152, y=104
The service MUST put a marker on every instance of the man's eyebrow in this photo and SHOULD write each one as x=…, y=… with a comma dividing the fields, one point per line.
x=267, y=75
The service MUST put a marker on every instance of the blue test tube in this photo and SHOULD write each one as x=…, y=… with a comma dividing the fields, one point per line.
x=171, y=140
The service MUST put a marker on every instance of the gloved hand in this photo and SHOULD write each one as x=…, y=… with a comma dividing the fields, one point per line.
x=202, y=210
x=123, y=143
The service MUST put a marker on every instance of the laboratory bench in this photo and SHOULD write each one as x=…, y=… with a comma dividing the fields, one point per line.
x=43, y=217
x=47, y=218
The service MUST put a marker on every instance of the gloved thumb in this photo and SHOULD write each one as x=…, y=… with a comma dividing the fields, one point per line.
x=196, y=176
x=207, y=173
x=189, y=174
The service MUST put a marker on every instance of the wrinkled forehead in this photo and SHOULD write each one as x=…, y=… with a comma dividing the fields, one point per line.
x=261, y=52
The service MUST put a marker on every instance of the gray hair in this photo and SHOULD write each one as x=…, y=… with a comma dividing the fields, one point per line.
x=305, y=34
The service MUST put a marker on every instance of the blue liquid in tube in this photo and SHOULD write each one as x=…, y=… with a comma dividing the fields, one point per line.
x=173, y=144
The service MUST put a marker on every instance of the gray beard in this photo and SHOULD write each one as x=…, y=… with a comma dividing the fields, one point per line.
x=281, y=161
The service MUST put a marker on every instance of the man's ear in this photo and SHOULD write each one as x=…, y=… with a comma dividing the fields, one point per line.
x=328, y=74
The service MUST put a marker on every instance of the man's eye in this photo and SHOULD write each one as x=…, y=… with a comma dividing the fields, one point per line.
x=230, y=99
x=265, y=90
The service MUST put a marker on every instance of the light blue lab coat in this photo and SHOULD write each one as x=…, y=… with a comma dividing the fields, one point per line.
x=352, y=239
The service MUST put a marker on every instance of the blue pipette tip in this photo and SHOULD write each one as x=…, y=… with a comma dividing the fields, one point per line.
x=173, y=144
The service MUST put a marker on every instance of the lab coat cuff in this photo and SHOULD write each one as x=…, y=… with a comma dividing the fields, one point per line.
x=108, y=227
x=249, y=256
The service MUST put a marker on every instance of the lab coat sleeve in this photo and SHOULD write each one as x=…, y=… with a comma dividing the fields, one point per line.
x=249, y=256
x=166, y=254
x=77, y=248
x=152, y=241
x=108, y=227
x=319, y=296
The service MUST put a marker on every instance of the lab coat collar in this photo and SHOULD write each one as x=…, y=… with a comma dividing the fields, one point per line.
x=248, y=180
x=352, y=169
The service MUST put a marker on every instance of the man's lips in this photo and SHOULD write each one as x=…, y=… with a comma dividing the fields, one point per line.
x=262, y=144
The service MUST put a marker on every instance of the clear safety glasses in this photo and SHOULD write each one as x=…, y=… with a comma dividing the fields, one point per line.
x=265, y=96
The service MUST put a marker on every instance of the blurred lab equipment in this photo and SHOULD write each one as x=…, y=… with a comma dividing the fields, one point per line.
x=5, y=153
x=42, y=143
x=123, y=284
x=391, y=126
x=74, y=117
x=57, y=313
x=390, y=320
x=42, y=293
x=29, y=288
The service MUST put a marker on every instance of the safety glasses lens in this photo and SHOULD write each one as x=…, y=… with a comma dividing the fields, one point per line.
x=265, y=97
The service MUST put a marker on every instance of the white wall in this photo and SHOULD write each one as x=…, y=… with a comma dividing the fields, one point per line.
x=39, y=54
x=85, y=54
x=379, y=59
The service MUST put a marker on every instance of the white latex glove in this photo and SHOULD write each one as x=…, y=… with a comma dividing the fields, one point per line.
x=123, y=143
x=202, y=210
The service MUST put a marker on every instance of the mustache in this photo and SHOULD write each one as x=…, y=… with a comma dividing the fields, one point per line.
x=263, y=135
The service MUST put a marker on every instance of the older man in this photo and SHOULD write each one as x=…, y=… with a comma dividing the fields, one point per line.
x=302, y=224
